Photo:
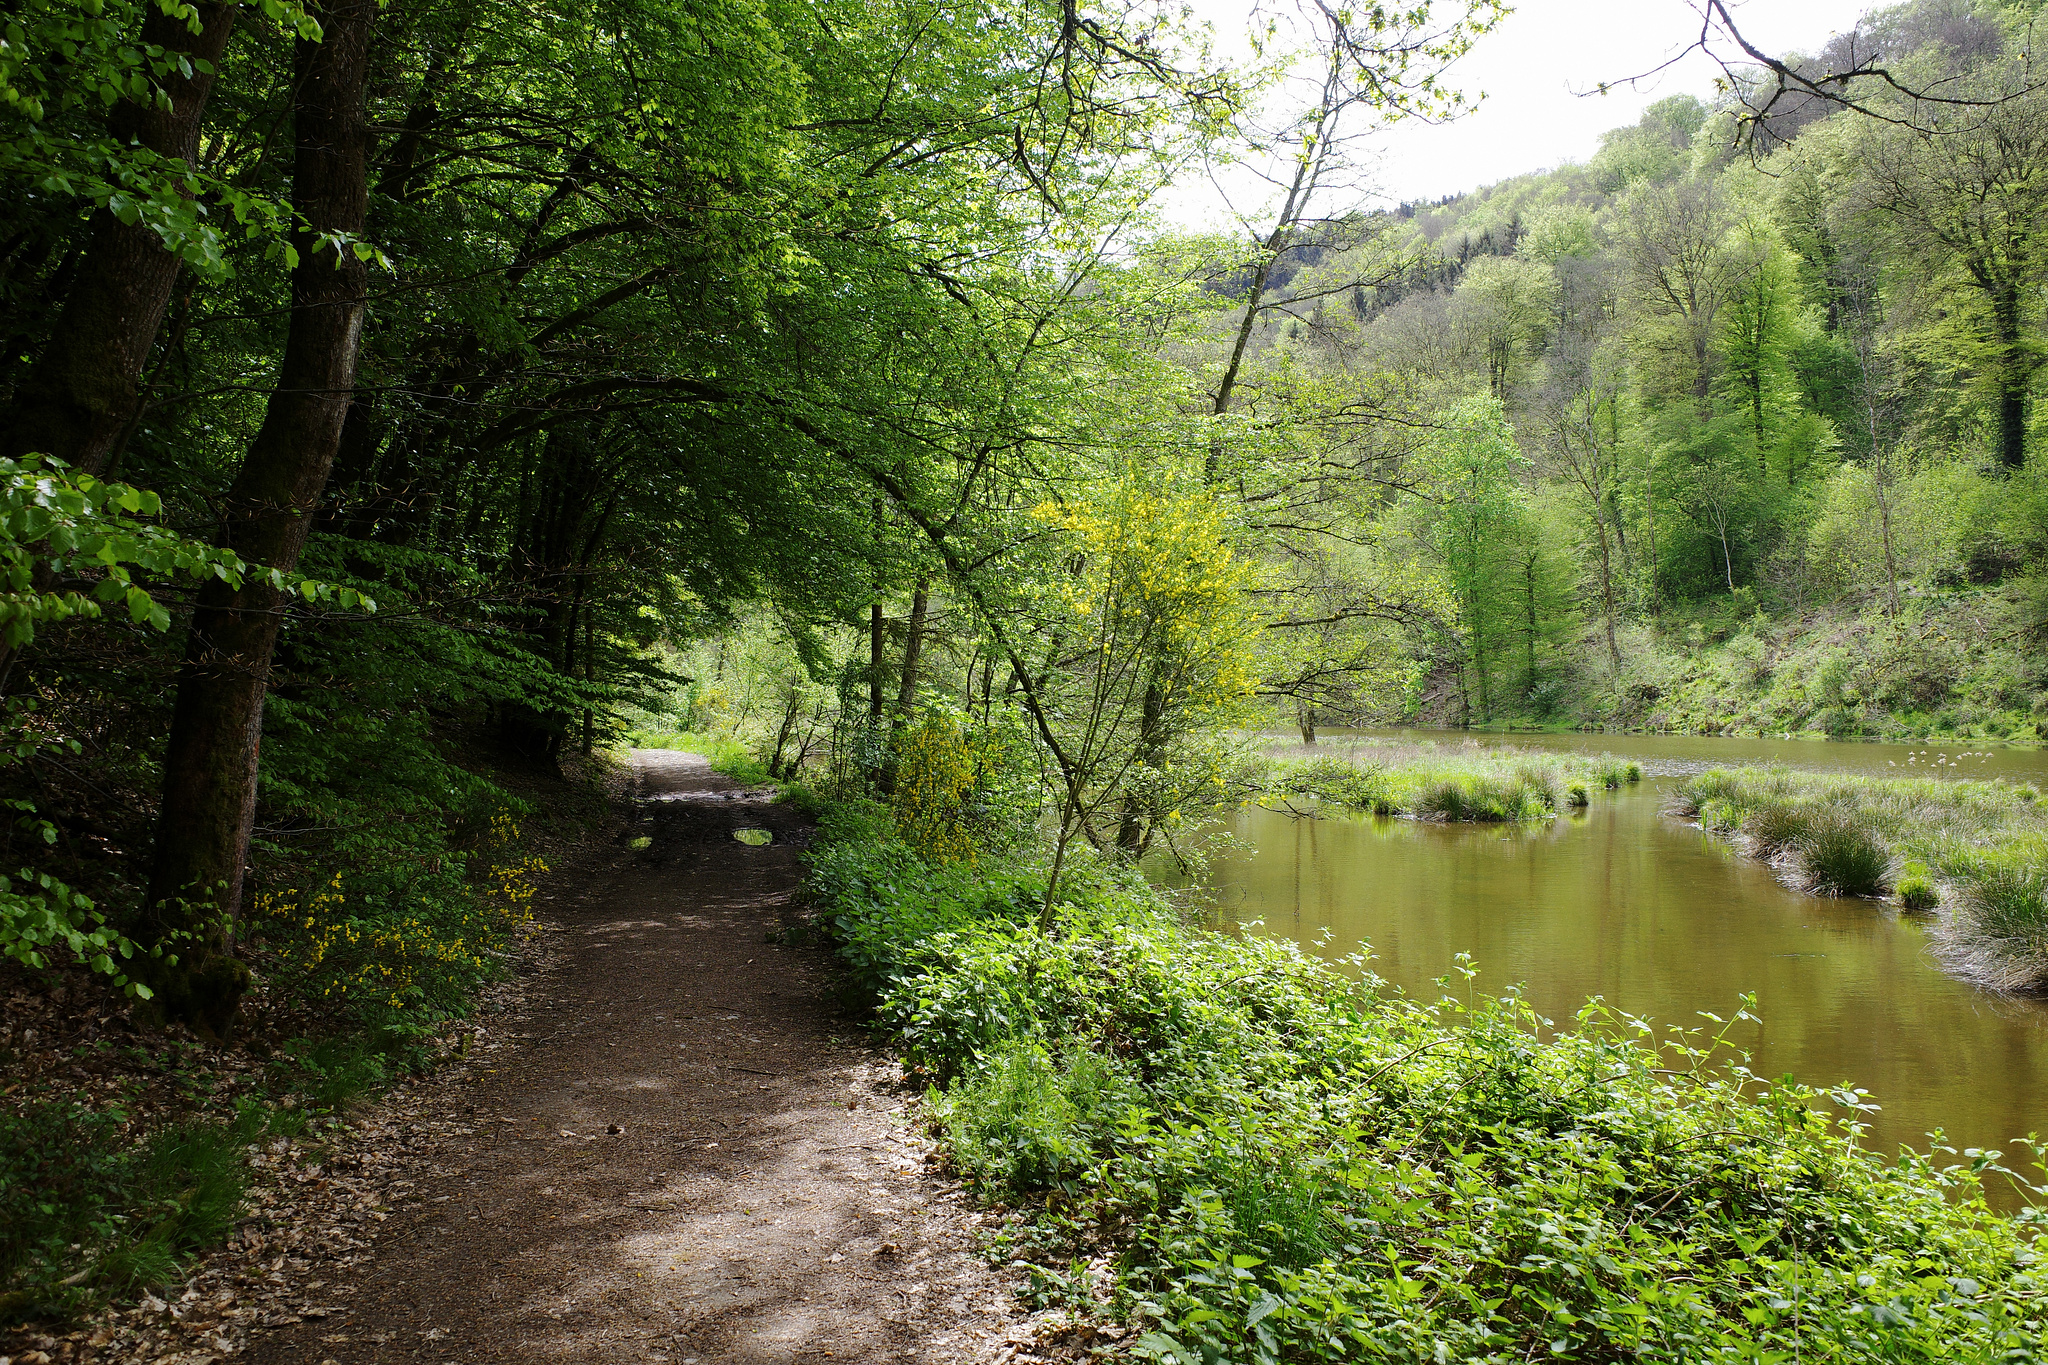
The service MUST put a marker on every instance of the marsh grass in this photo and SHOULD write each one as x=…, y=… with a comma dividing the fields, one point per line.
x=1838, y=856
x=1469, y=785
x=1978, y=850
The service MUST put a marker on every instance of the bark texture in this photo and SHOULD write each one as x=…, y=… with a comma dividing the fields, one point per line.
x=913, y=649
x=210, y=766
x=86, y=388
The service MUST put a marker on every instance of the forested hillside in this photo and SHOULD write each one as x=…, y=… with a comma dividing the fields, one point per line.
x=1771, y=402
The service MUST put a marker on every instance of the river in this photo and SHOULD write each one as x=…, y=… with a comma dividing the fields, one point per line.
x=1628, y=903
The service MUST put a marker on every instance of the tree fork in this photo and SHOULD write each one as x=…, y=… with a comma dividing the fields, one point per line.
x=210, y=764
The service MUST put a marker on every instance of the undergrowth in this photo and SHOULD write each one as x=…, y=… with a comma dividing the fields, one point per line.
x=91, y=1210
x=1277, y=1162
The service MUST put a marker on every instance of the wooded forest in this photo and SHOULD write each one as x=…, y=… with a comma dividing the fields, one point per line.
x=408, y=403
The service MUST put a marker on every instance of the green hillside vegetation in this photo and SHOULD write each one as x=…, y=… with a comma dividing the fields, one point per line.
x=1728, y=440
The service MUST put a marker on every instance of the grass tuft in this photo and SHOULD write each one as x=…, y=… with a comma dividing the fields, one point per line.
x=1838, y=856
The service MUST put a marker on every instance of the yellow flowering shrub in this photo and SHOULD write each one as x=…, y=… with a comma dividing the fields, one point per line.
x=382, y=963
x=1162, y=594
x=1150, y=616
x=960, y=790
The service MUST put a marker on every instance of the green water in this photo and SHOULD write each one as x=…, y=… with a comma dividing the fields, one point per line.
x=1628, y=903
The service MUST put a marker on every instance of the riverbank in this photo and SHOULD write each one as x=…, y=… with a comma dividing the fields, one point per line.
x=1246, y=1155
x=1974, y=853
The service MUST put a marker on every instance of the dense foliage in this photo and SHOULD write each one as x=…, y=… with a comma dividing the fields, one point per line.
x=1771, y=387
x=1252, y=1157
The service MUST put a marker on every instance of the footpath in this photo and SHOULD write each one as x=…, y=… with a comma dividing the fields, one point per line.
x=685, y=1151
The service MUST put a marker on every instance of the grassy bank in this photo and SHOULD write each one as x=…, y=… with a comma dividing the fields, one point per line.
x=1974, y=852
x=1252, y=1158
x=1429, y=783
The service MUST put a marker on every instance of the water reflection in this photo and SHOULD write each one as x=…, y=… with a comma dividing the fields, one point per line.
x=1626, y=903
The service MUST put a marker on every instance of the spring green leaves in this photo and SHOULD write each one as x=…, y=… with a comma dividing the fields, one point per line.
x=73, y=546
x=38, y=913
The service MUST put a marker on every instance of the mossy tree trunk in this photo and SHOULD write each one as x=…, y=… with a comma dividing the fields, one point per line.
x=210, y=765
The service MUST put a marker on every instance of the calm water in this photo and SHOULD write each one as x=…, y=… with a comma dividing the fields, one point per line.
x=1630, y=904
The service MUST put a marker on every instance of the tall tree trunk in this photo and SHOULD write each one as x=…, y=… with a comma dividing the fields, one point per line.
x=913, y=647
x=209, y=795
x=875, y=633
x=1140, y=819
x=2012, y=387
x=86, y=387
x=789, y=715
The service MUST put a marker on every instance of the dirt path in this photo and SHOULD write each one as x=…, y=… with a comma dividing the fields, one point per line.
x=691, y=1154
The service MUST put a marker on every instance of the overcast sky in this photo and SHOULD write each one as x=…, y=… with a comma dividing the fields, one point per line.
x=1529, y=68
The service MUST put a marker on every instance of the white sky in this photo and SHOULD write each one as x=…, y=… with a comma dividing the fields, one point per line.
x=1529, y=67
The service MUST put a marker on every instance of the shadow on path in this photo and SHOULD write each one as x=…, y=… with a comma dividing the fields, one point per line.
x=692, y=1154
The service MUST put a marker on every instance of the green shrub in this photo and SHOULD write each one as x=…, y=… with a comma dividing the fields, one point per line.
x=1282, y=1164
x=1023, y=1122
x=1578, y=795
